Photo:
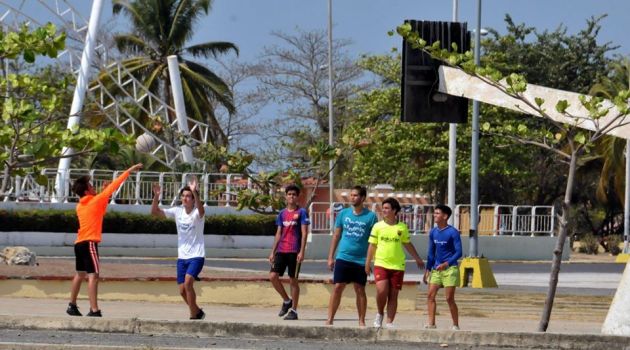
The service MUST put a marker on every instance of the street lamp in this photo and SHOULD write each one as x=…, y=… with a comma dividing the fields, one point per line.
x=474, y=168
x=331, y=185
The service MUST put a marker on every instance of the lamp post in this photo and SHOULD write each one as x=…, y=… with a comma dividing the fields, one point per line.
x=474, y=168
x=452, y=147
x=331, y=184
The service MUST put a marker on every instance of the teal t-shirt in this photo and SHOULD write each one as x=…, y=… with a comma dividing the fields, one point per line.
x=355, y=232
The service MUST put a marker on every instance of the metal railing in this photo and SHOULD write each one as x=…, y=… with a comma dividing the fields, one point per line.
x=215, y=188
x=495, y=220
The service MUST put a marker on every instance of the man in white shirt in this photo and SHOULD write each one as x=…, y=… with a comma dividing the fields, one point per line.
x=191, y=253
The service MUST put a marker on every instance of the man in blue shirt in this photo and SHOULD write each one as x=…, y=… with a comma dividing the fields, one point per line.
x=352, y=231
x=445, y=248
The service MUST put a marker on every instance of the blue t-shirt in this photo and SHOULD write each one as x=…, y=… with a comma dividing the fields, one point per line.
x=444, y=245
x=290, y=223
x=355, y=231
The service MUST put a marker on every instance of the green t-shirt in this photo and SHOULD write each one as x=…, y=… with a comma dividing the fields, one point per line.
x=389, y=240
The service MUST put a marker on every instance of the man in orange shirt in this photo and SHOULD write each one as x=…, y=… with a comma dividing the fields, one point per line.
x=90, y=211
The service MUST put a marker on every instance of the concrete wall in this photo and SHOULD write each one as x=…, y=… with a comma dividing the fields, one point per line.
x=218, y=246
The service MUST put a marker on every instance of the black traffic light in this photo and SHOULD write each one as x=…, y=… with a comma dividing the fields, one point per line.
x=420, y=100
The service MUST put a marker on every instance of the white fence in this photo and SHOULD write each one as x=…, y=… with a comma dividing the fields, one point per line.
x=215, y=188
x=496, y=220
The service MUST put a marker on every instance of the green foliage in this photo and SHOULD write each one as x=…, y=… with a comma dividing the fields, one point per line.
x=589, y=244
x=35, y=109
x=119, y=222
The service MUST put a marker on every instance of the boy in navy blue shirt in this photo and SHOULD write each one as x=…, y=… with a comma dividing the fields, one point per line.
x=445, y=248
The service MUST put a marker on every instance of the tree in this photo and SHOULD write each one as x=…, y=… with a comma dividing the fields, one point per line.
x=295, y=73
x=565, y=139
x=34, y=110
x=161, y=28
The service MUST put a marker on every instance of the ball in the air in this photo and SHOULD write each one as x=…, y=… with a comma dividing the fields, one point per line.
x=145, y=143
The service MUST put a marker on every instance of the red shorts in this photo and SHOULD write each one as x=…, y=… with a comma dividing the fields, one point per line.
x=395, y=277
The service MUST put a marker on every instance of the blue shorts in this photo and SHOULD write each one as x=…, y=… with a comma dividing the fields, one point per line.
x=346, y=272
x=189, y=267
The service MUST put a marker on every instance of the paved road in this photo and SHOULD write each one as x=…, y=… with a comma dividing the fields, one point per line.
x=575, y=278
x=64, y=338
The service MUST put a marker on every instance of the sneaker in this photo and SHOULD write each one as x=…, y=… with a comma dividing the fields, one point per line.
x=73, y=310
x=96, y=313
x=200, y=315
x=291, y=315
x=286, y=305
x=378, y=320
x=389, y=326
x=455, y=328
x=429, y=326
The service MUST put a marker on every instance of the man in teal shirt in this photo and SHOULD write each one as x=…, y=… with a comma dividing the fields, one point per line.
x=352, y=231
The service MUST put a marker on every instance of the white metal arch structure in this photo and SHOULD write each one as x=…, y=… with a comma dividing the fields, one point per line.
x=116, y=92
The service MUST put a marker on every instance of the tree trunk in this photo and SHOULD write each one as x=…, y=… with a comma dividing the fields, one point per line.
x=557, y=252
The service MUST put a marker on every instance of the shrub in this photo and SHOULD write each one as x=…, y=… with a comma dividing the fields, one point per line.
x=613, y=242
x=120, y=222
x=589, y=244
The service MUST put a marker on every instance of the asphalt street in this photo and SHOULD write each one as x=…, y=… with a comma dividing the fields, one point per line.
x=15, y=339
x=575, y=277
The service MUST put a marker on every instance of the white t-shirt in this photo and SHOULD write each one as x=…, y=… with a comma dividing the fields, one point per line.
x=190, y=242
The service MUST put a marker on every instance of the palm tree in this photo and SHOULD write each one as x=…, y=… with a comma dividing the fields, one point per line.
x=161, y=28
x=610, y=148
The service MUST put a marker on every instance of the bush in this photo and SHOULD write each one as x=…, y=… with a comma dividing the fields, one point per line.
x=613, y=242
x=119, y=222
x=589, y=244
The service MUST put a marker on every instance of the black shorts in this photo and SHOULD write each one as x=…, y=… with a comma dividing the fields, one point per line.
x=284, y=260
x=349, y=272
x=86, y=254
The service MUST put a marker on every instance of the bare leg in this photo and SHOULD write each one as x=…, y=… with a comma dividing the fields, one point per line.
x=392, y=304
x=191, y=296
x=277, y=285
x=450, y=299
x=182, y=292
x=79, y=276
x=382, y=291
x=333, y=303
x=93, y=291
x=431, y=305
x=295, y=292
x=361, y=303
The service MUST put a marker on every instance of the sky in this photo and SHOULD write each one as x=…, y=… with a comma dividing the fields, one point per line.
x=248, y=23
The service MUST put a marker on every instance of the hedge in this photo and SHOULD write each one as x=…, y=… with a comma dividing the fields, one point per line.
x=120, y=222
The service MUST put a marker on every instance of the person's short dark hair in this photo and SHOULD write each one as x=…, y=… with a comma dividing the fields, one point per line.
x=292, y=187
x=361, y=189
x=393, y=203
x=81, y=185
x=444, y=209
x=185, y=188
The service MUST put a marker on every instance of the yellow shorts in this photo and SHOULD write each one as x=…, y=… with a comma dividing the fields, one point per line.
x=445, y=278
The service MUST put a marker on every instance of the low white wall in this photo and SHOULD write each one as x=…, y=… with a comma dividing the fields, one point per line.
x=127, y=208
x=220, y=246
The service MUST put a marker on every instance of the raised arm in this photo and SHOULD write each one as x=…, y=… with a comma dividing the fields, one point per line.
x=114, y=185
x=194, y=186
x=155, y=209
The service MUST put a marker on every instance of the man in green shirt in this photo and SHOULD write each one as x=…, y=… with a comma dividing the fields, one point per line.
x=387, y=240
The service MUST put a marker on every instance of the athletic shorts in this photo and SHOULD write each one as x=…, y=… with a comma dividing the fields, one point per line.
x=86, y=257
x=284, y=261
x=191, y=267
x=445, y=278
x=349, y=272
x=395, y=277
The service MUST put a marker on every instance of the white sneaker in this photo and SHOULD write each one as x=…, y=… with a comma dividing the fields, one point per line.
x=378, y=320
x=389, y=325
x=429, y=326
x=455, y=328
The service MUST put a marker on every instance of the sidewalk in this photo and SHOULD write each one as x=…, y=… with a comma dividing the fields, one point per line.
x=143, y=297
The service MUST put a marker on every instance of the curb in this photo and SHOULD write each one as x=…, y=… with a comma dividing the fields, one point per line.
x=267, y=331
